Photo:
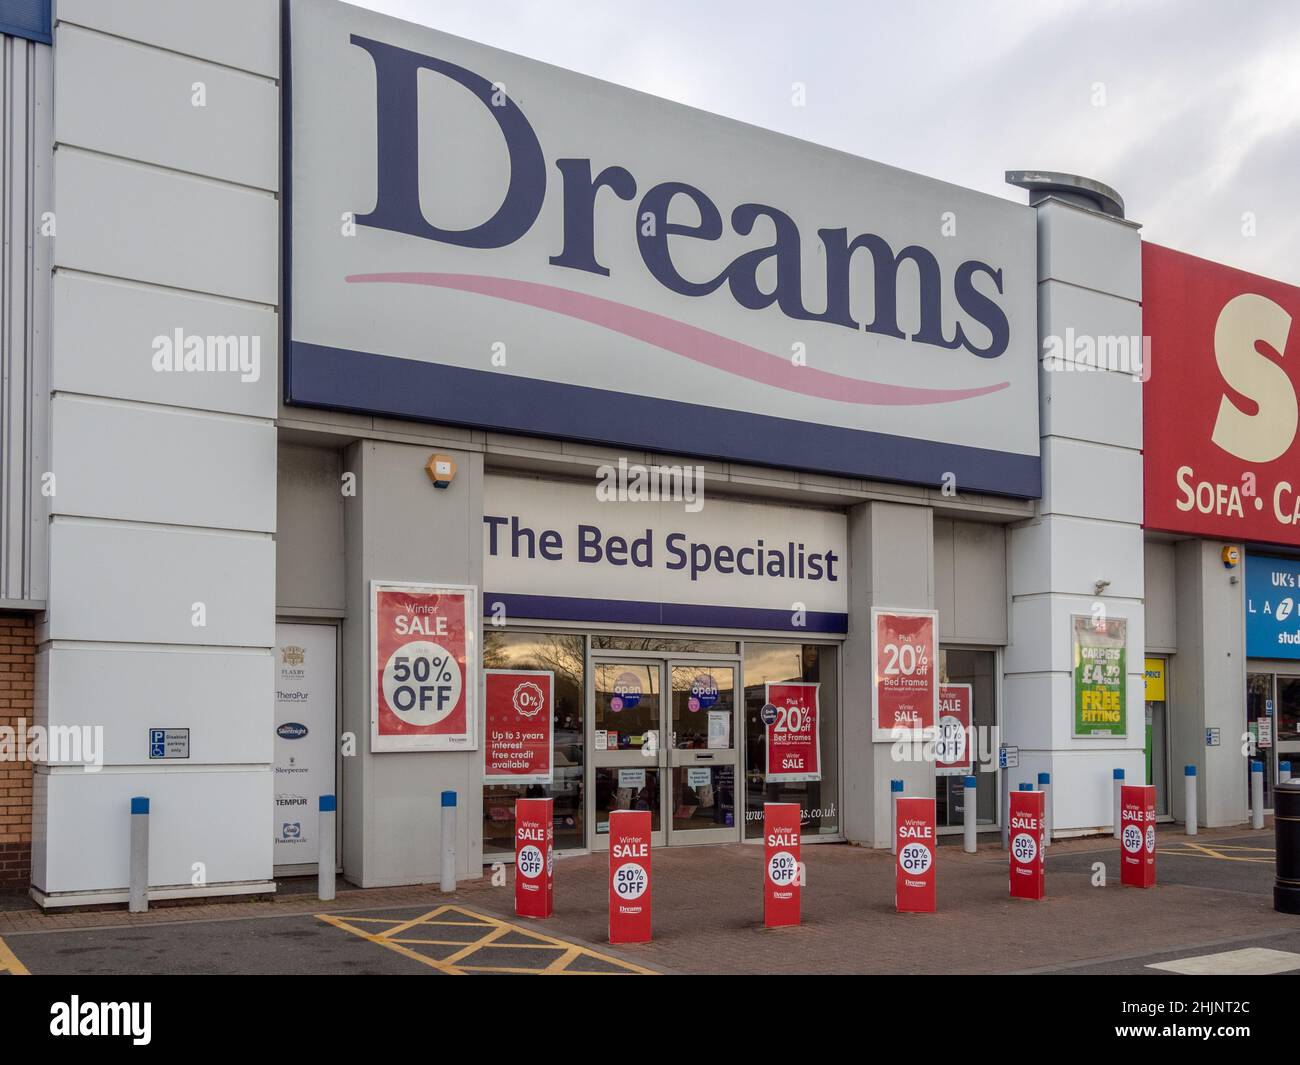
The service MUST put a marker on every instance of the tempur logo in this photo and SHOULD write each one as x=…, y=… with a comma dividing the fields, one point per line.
x=979, y=325
x=132, y=1019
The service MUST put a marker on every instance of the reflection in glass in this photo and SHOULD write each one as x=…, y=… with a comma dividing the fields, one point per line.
x=626, y=788
x=975, y=668
x=563, y=654
x=627, y=703
x=1259, y=708
x=703, y=695
x=661, y=643
x=704, y=797
x=771, y=663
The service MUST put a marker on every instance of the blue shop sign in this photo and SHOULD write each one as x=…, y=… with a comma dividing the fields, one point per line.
x=1272, y=595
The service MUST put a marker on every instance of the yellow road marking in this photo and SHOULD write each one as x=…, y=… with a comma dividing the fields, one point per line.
x=9, y=963
x=493, y=929
x=1209, y=850
x=415, y=955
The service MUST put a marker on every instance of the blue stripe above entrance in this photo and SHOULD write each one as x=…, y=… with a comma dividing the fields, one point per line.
x=637, y=612
x=337, y=379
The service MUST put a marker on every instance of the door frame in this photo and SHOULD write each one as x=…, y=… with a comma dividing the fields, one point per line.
x=666, y=758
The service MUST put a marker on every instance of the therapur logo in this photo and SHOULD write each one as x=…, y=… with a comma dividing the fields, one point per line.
x=74, y=1017
x=970, y=298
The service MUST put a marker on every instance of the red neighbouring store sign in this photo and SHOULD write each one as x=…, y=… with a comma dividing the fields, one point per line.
x=1025, y=841
x=424, y=684
x=914, y=867
x=781, y=864
x=1220, y=413
x=1137, y=835
x=905, y=690
x=790, y=715
x=953, y=751
x=518, y=730
x=534, y=857
x=629, y=876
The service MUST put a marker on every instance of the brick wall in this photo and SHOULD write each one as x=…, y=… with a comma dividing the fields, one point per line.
x=17, y=663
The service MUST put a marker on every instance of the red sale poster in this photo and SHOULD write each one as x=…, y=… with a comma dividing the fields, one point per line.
x=424, y=658
x=1025, y=841
x=518, y=726
x=953, y=749
x=905, y=691
x=534, y=857
x=1137, y=835
x=780, y=864
x=914, y=879
x=629, y=876
x=793, y=742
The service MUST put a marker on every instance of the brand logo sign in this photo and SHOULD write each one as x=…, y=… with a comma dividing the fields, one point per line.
x=1220, y=412
x=525, y=249
x=732, y=564
x=1272, y=596
x=291, y=730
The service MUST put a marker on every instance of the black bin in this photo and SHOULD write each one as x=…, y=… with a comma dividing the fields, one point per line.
x=1286, y=826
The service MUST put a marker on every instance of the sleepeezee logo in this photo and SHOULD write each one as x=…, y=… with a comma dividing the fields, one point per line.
x=133, y=1019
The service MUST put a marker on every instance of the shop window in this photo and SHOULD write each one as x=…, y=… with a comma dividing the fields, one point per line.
x=663, y=643
x=978, y=669
x=771, y=663
x=563, y=653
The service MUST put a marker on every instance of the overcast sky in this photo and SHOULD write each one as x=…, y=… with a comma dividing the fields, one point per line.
x=1189, y=108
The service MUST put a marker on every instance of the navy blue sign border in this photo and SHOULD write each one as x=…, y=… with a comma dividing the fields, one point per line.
x=641, y=612
x=366, y=383
x=362, y=382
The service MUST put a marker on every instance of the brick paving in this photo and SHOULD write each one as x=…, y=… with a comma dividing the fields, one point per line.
x=708, y=917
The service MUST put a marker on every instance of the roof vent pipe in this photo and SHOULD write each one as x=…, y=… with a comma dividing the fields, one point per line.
x=1070, y=188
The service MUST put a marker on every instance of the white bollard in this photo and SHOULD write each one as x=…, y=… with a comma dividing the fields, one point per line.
x=895, y=790
x=1118, y=776
x=969, y=815
x=327, y=863
x=138, y=892
x=1189, y=798
x=448, y=841
x=1045, y=786
x=1256, y=794
x=1283, y=772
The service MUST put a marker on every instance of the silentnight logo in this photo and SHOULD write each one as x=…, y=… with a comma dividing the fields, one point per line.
x=181, y=353
x=133, y=1019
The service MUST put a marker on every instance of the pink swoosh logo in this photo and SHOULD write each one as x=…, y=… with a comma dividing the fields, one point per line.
x=698, y=345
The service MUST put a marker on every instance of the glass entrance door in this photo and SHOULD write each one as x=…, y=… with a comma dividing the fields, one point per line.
x=1259, y=727
x=663, y=738
x=628, y=755
x=703, y=757
x=1288, y=723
